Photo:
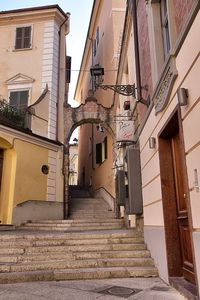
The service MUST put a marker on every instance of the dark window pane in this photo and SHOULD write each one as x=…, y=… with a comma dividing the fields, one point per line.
x=98, y=153
x=13, y=98
x=19, y=99
x=105, y=148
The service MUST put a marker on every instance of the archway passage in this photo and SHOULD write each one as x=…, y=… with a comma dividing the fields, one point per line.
x=97, y=135
x=90, y=112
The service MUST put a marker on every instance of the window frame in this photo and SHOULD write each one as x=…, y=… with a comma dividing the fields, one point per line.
x=11, y=90
x=15, y=37
x=164, y=20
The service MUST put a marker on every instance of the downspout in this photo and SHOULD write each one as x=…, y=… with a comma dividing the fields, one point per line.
x=137, y=57
x=57, y=116
x=58, y=84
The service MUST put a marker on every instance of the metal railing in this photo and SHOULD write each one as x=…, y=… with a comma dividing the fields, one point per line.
x=10, y=115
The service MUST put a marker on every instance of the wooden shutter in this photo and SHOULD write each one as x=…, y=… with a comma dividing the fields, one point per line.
x=98, y=153
x=23, y=37
x=68, y=69
x=135, y=202
x=120, y=187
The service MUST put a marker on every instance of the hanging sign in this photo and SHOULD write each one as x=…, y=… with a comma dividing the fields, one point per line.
x=125, y=131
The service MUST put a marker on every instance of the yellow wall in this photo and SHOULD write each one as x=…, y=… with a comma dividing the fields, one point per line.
x=8, y=181
x=30, y=183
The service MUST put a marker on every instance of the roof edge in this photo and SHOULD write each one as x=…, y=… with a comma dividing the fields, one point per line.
x=55, y=6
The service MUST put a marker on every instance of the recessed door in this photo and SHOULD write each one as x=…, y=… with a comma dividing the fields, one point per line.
x=176, y=201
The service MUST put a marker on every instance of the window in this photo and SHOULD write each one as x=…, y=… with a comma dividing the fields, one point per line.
x=165, y=26
x=94, y=47
x=101, y=151
x=97, y=36
x=19, y=99
x=23, y=37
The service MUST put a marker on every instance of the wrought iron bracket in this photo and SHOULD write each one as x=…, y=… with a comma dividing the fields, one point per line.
x=125, y=90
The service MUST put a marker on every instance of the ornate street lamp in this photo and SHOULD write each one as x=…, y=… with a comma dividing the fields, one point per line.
x=97, y=73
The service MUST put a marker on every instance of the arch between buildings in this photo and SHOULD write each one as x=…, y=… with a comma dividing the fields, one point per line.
x=90, y=112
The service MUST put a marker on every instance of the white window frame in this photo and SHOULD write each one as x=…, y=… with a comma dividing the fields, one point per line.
x=31, y=39
x=157, y=51
x=19, y=88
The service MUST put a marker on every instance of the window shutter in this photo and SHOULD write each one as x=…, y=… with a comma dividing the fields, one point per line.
x=98, y=153
x=18, y=41
x=23, y=37
x=68, y=69
x=105, y=148
x=27, y=37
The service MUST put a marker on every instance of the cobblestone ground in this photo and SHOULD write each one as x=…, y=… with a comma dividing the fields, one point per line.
x=106, y=289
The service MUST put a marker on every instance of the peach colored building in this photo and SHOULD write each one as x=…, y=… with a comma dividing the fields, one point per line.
x=33, y=89
x=96, y=141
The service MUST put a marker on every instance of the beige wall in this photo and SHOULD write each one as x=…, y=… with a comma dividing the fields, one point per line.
x=109, y=17
x=188, y=66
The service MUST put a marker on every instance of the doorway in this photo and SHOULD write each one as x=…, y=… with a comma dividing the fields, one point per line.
x=1, y=165
x=175, y=195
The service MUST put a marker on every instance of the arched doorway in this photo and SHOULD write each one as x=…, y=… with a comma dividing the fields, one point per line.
x=98, y=135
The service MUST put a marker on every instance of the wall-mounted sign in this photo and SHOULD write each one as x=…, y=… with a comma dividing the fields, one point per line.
x=125, y=131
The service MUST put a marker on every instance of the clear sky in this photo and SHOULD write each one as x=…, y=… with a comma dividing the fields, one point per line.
x=80, y=11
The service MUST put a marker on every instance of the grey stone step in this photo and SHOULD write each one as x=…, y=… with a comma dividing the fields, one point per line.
x=75, y=224
x=108, y=234
x=94, y=220
x=74, y=264
x=62, y=242
x=70, y=228
x=85, y=248
x=78, y=274
x=73, y=255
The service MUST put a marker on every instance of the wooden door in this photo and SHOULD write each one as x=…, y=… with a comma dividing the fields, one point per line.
x=175, y=196
x=181, y=191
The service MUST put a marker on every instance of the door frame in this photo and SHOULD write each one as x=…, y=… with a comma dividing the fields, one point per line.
x=174, y=261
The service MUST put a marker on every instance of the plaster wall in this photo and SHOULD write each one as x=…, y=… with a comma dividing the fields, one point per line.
x=188, y=74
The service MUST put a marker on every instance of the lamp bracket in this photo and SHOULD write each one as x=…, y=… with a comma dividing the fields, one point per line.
x=125, y=90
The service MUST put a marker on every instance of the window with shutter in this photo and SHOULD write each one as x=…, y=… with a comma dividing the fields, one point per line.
x=99, y=153
x=23, y=37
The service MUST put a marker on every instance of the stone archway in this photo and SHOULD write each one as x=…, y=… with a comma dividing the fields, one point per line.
x=89, y=112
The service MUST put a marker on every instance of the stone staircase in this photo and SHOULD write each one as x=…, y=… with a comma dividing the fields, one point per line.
x=92, y=244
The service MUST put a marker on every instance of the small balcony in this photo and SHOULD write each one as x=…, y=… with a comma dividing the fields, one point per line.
x=14, y=117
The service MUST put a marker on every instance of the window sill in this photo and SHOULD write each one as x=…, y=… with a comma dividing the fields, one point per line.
x=22, y=49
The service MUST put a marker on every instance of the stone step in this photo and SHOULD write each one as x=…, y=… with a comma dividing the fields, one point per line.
x=108, y=234
x=21, y=243
x=74, y=255
x=78, y=274
x=75, y=224
x=74, y=264
x=94, y=220
x=70, y=228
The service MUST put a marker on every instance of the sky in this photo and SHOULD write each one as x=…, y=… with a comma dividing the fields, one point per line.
x=80, y=11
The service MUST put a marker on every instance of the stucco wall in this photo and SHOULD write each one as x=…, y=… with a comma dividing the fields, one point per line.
x=188, y=74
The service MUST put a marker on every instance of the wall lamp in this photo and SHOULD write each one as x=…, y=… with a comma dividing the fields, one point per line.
x=152, y=142
x=182, y=96
x=97, y=73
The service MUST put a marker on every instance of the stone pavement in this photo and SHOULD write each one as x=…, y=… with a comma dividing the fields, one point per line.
x=106, y=289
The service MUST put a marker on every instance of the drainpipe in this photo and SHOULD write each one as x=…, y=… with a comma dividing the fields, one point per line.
x=57, y=116
x=58, y=83
x=137, y=57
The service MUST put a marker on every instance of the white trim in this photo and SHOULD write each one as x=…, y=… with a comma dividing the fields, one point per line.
x=50, y=71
